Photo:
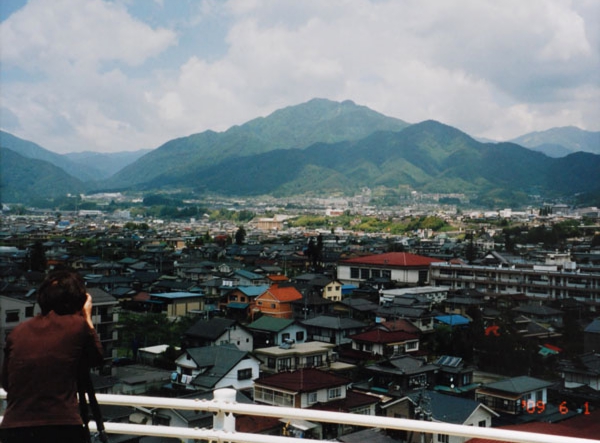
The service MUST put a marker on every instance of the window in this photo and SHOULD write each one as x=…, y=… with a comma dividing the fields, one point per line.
x=12, y=316
x=334, y=393
x=386, y=273
x=29, y=311
x=244, y=374
x=443, y=438
x=411, y=345
x=272, y=305
x=337, y=288
x=353, y=272
x=312, y=397
x=482, y=424
x=285, y=336
x=284, y=364
x=329, y=289
x=364, y=274
x=300, y=336
x=271, y=362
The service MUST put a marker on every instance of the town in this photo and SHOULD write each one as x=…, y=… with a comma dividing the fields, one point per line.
x=421, y=311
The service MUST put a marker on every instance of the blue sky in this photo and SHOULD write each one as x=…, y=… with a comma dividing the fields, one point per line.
x=120, y=75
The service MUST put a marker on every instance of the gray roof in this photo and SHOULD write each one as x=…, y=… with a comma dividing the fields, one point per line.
x=337, y=323
x=594, y=326
x=447, y=408
x=210, y=329
x=518, y=385
x=218, y=362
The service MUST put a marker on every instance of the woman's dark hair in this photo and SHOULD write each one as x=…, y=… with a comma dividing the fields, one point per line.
x=63, y=292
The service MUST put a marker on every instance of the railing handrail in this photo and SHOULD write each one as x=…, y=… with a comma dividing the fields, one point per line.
x=224, y=406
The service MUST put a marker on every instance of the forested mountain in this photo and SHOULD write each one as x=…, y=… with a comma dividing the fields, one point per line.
x=25, y=179
x=294, y=127
x=323, y=147
x=559, y=142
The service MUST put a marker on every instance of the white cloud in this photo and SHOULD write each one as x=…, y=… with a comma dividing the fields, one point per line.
x=105, y=79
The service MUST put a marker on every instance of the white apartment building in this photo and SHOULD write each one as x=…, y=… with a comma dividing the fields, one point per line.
x=547, y=281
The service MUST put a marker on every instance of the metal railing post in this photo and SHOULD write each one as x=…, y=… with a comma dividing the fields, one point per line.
x=223, y=420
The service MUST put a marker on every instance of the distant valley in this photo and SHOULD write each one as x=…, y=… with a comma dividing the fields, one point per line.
x=319, y=148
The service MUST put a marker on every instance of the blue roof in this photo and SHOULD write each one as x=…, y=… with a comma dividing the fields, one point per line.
x=249, y=275
x=177, y=295
x=238, y=305
x=453, y=320
x=253, y=291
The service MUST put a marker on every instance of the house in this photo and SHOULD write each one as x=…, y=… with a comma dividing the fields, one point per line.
x=213, y=367
x=591, y=336
x=381, y=343
x=454, y=377
x=399, y=375
x=312, y=388
x=178, y=304
x=400, y=267
x=273, y=331
x=237, y=301
x=357, y=308
x=105, y=316
x=311, y=305
x=293, y=356
x=434, y=294
x=585, y=372
x=513, y=395
x=218, y=331
x=329, y=329
x=422, y=318
x=436, y=407
x=276, y=301
x=14, y=310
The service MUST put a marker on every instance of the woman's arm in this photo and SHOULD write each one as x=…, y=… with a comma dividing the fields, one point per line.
x=93, y=352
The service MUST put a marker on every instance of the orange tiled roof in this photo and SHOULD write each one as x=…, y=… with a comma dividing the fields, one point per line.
x=285, y=293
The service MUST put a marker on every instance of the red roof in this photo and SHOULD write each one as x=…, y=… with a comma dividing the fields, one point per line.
x=382, y=336
x=581, y=426
x=396, y=259
x=302, y=380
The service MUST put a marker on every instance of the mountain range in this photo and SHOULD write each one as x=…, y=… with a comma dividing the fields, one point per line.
x=318, y=148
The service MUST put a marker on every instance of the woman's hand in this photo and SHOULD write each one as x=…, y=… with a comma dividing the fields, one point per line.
x=87, y=310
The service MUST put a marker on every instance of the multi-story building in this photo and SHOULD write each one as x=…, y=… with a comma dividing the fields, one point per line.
x=545, y=281
x=399, y=267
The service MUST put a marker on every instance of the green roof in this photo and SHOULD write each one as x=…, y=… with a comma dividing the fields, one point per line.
x=271, y=324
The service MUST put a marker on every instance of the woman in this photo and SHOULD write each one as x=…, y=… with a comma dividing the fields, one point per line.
x=43, y=357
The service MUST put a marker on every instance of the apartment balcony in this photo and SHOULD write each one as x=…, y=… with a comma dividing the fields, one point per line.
x=224, y=408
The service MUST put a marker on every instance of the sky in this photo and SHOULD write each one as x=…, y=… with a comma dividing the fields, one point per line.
x=123, y=75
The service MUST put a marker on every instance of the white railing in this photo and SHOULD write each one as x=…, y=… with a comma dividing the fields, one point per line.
x=224, y=407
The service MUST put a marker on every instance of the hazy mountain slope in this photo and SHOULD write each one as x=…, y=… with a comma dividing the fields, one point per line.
x=106, y=164
x=294, y=127
x=34, y=151
x=23, y=179
x=569, y=138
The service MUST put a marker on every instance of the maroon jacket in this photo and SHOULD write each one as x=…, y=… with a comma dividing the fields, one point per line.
x=41, y=363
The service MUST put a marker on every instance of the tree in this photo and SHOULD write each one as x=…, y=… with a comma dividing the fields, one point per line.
x=240, y=235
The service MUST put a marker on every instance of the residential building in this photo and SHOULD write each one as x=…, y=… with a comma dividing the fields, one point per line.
x=213, y=367
x=436, y=407
x=585, y=373
x=329, y=329
x=548, y=281
x=218, y=331
x=382, y=343
x=513, y=395
x=399, y=267
x=312, y=388
x=178, y=304
x=276, y=301
x=272, y=331
x=290, y=357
